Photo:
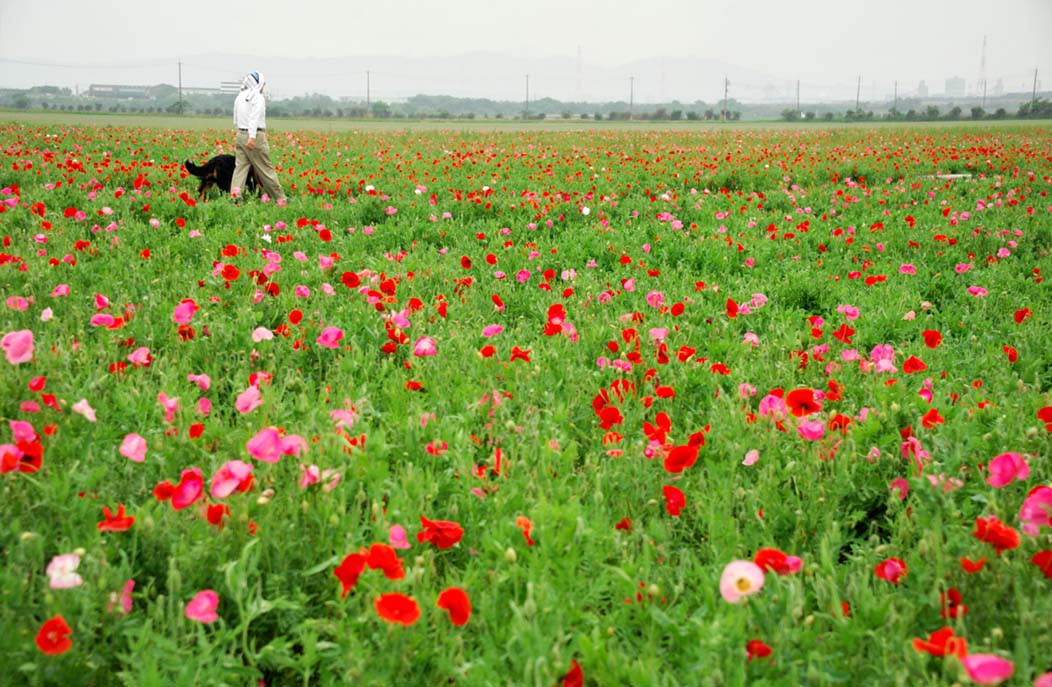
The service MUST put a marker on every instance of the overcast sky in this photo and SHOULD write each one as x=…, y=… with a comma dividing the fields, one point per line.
x=67, y=42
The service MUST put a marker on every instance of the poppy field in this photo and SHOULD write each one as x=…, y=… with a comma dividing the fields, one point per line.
x=611, y=407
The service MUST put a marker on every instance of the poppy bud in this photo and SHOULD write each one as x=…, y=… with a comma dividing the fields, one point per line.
x=510, y=555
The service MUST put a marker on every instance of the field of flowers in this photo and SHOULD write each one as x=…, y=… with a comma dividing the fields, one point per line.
x=535, y=408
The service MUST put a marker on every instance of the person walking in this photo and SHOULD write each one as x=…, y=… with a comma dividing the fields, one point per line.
x=250, y=143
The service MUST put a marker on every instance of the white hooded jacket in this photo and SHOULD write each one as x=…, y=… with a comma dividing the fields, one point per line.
x=250, y=107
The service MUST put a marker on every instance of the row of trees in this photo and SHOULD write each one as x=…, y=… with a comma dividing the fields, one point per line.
x=1037, y=109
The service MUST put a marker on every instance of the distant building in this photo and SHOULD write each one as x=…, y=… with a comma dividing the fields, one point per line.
x=955, y=87
x=922, y=90
x=999, y=87
x=97, y=90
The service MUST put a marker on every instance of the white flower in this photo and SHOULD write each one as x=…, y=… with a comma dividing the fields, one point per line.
x=61, y=573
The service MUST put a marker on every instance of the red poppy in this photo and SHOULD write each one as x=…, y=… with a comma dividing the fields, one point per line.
x=675, y=501
x=624, y=524
x=574, y=677
x=942, y=643
x=230, y=273
x=1023, y=315
x=892, y=570
x=524, y=524
x=992, y=531
x=757, y=649
x=932, y=338
x=115, y=523
x=519, y=354
x=913, y=364
x=732, y=309
x=951, y=604
x=844, y=334
x=456, y=602
x=216, y=512
x=348, y=570
x=1012, y=353
x=383, y=557
x=971, y=567
x=802, y=402
x=53, y=637
x=1045, y=415
x=774, y=560
x=681, y=457
x=442, y=533
x=1043, y=560
x=350, y=280
x=932, y=418
x=397, y=608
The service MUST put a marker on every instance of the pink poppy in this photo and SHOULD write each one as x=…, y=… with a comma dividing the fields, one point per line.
x=1036, y=511
x=134, y=448
x=82, y=407
x=102, y=320
x=812, y=431
x=202, y=607
x=425, y=346
x=265, y=446
x=492, y=330
x=1006, y=468
x=61, y=572
x=170, y=405
x=987, y=669
x=248, y=400
x=330, y=337
x=124, y=598
x=184, y=312
x=751, y=457
x=740, y=579
x=311, y=475
x=230, y=477
x=190, y=488
x=18, y=346
x=398, y=537
x=140, y=356
x=202, y=381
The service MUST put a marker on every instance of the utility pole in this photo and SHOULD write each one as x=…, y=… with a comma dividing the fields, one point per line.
x=368, y=103
x=726, y=87
x=858, y=92
x=526, y=112
x=180, y=86
x=895, y=106
x=1033, y=96
x=798, y=97
x=631, y=95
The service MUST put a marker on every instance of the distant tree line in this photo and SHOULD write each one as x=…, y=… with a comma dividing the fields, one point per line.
x=164, y=99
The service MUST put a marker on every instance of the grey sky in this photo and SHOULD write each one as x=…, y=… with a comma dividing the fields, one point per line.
x=67, y=42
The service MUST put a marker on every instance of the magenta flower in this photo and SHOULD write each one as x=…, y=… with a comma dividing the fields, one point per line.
x=18, y=346
x=813, y=430
x=170, y=405
x=977, y=291
x=124, y=598
x=311, y=475
x=140, y=356
x=248, y=400
x=229, y=478
x=1036, y=511
x=190, y=488
x=655, y=299
x=184, y=312
x=265, y=446
x=492, y=330
x=330, y=337
x=1007, y=467
x=740, y=579
x=134, y=448
x=202, y=607
x=202, y=381
x=987, y=669
x=398, y=537
x=425, y=346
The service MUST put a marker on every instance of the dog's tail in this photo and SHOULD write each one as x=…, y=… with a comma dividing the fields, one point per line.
x=194, y=169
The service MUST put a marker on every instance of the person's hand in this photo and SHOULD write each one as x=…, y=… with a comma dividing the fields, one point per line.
x=251, y=145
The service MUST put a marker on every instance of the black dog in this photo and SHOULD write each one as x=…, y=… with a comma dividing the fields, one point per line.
x=219, y=171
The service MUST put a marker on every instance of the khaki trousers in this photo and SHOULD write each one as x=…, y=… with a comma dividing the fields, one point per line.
x=259, y=160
